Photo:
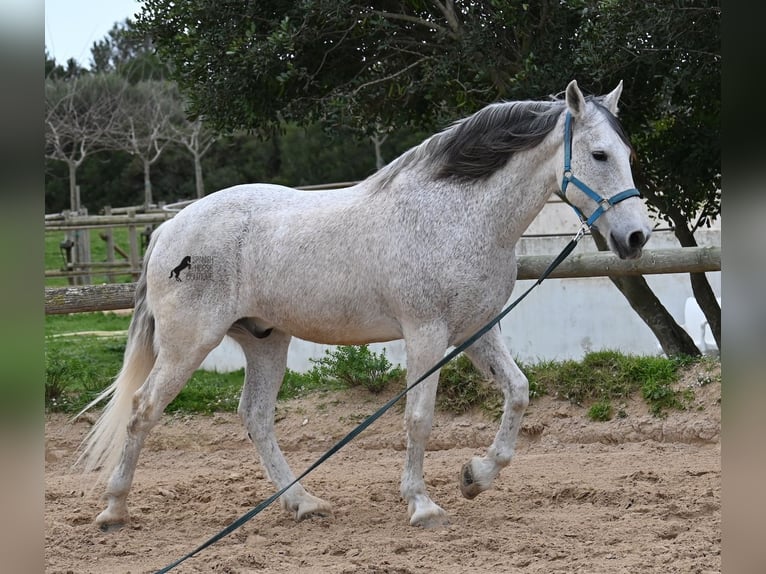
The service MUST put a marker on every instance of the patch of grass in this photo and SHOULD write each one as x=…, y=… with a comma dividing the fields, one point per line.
x=208, y=392
x=462, y=387
x=297, y=384
x=356, y=366
x=77, y=322
x=600, y=411
x=604, y=376
x=77, y=369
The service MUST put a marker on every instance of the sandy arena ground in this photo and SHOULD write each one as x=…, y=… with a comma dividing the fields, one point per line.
x=637, y=494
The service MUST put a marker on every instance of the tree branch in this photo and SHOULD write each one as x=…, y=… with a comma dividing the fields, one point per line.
x=389, y=77
x=414, y=20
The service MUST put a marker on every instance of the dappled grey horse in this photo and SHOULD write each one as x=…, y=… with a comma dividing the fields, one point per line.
x=422, y=250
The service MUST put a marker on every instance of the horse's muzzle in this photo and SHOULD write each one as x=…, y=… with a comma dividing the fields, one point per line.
x=630, y=246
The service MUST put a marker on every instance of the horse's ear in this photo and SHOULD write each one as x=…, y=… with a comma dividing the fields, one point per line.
x=575, y=99
x=610, y=100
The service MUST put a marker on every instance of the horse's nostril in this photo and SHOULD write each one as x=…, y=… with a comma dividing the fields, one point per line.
x=637, y=239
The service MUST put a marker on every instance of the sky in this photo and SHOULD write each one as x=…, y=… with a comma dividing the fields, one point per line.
x=71, y=26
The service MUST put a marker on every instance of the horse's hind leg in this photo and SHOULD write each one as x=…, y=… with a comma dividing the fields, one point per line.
x=490, y=355
x=171, y=371
x=266, y=361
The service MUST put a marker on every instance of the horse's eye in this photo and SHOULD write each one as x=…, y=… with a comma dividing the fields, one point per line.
x=599, y=155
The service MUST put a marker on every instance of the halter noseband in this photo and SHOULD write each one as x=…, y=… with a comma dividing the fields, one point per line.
x=603, y=203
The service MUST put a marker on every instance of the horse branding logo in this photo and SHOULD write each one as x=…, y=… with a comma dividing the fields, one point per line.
x=203, y=269
x=185, y=262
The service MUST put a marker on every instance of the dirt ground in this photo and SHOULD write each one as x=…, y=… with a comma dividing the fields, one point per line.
x=635, y=494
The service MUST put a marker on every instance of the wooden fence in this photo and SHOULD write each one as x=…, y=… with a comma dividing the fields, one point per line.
x=79, y=266
x=109, y=297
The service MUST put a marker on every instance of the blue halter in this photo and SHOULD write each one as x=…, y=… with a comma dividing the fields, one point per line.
x=603, y=203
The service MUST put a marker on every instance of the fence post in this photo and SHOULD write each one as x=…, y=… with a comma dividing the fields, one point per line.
x=109, y=237
x=85, y=251
x=135, y=270
x=69, y=253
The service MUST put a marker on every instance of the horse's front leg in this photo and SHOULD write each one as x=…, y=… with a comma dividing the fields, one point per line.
x=490, y=355
x=425, y=346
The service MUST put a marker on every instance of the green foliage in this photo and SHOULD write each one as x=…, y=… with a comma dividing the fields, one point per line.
x=348, y=63
x=604, y=376
x=670, y=55
x=297, y=384
x=208, y=393
x=462, y=387
x=357, y=366
x=600, y=411
x=78, y=368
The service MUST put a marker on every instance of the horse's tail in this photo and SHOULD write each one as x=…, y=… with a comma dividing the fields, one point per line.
x=102, y=447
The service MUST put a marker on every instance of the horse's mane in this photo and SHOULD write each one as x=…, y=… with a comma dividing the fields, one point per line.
x=475, y=147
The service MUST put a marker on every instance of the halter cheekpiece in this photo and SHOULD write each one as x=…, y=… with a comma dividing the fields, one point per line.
x=603, y=203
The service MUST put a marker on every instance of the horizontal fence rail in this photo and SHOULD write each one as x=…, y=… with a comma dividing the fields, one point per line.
x=91, y=221
x=114, y=296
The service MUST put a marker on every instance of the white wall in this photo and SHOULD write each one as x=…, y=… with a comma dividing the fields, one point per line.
x=562, y=318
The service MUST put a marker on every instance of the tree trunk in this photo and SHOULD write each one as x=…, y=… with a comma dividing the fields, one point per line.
x=673, y=339
x=198, y=182
x=74, y=196
x=377, y=142
x=701, y=288
x=147, y=185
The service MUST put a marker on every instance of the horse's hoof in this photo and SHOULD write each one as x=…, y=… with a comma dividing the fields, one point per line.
x=107, y=522
x=427, y=514
x=432, y=522
x=111, y=527
x=313, y=514
x=469, y=488
x=311, y=507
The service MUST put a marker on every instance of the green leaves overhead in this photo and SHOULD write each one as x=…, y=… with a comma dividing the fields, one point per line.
x=407, y=63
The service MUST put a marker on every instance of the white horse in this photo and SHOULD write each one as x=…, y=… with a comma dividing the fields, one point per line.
x=422, y=250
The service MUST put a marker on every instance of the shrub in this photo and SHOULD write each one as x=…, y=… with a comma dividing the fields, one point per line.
x=462, y=387
x=600, y=411
x=355, y=366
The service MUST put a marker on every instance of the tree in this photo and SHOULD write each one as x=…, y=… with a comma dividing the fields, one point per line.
x=670, y=58
x=406, y=63
x=144, y=129
x=196, y=137
x=127, y=53
x=55, y=71
x=80, y=113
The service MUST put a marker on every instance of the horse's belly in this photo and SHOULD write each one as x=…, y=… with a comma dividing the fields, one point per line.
x=326, y=322
x=346, y=336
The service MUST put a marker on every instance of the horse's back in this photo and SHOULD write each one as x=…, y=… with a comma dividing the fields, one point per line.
x=295, y=260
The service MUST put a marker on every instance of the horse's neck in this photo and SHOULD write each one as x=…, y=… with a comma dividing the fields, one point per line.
x=503, y=204
x=523, y=191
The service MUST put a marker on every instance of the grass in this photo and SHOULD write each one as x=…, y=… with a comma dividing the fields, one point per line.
x=605, y=376
x=78, y=368
x=54, y=259
x=462, y=388
x=80, y=322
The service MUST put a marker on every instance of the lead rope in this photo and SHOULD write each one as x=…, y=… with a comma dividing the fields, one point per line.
x=377, y=414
